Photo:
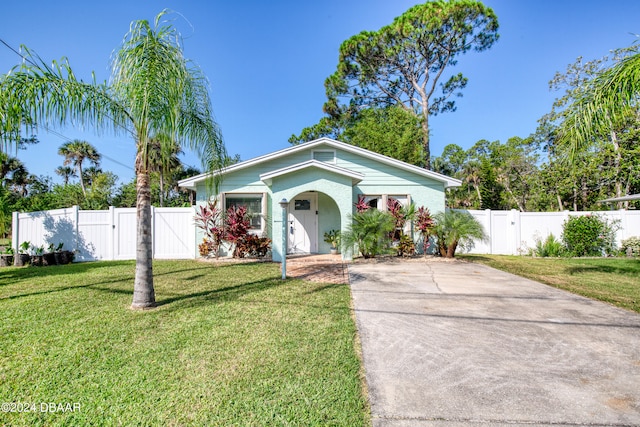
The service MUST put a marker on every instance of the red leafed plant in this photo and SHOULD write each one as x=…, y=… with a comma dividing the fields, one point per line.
x=394, y=207
x=361, y=205
x=237, y=229
x=234, y=229
x=424, y=223
x=208, y=219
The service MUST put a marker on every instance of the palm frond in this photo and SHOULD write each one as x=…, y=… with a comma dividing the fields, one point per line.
x=52, y=95
x=608, y=98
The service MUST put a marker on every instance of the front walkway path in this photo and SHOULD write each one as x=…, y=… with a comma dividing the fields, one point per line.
x=460, y=344
x=318, y=268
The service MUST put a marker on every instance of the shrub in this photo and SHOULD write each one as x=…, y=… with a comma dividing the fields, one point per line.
x=609, y=236
x=550, y=247
x=631, y=246
x=252, y=245
x=589, y=235
x=405, y=246
x=205, y=248
x=234, y=229
x=369, y=233
x=237, y=225
x=208, y=219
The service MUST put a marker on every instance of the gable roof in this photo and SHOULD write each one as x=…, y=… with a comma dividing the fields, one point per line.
x=446, y=180
x=356, y=177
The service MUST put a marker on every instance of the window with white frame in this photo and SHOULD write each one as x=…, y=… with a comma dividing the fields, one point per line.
x=327, y=156
x=254, y=203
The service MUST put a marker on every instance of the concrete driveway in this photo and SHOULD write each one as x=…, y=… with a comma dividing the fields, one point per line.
x=454, y=343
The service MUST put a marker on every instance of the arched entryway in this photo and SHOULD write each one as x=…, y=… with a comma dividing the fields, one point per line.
x=311, y=214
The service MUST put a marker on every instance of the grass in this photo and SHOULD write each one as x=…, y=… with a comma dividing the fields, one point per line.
x=228, y=345
x=5, y=241
x=613, y=280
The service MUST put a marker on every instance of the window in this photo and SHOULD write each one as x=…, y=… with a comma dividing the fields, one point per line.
x=253, y=202
x=382, y=201
x=302, y=205
x=373, y=201
x=325, y=156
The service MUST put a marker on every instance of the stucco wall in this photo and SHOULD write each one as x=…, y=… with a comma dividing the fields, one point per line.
x=337, y=187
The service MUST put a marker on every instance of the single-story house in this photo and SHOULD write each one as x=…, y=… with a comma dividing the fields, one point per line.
x=321, y=182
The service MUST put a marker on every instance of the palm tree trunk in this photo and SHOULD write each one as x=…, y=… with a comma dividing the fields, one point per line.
x=451, y=249
x=143, y=292
x=84, y=192
x=161, y=190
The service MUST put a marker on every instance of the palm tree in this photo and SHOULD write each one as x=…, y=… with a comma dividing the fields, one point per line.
x=164, y=160
x=454, y=228
x=8, y=165
x=368, y=233
x=90, y=174
x=606, y=100
x=19, y=181
x=66, y=172
x=76, y=152
x=153, y=90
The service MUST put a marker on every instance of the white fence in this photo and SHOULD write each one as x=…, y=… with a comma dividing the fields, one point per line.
x=111, y=234
x=108, y=234
x=514, y=233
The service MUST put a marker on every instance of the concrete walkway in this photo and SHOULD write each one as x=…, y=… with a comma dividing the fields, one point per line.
x=459, y=344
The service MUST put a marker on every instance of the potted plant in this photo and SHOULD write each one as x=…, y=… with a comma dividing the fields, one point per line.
x=23, y=256
x=332, y=237
x=37, y=259
x=6, y=258
x=59, y=254
x=68, y=257
x=49, y=258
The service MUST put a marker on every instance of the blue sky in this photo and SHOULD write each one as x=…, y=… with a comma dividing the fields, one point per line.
x=267, y=62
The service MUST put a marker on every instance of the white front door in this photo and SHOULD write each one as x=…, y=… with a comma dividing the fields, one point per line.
x=303, y=224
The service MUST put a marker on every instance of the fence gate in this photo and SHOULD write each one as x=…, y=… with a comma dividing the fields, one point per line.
x=108, y=234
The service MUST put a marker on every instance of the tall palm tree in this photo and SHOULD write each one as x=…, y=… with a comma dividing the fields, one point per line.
x=66, y=172
x=607, y=99
x=76, y=152
x=153, y=90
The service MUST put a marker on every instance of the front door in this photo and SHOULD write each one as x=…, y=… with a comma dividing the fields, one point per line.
x=303, y=224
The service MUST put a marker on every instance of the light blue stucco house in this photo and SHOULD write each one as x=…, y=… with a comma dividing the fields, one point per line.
x=321, y=181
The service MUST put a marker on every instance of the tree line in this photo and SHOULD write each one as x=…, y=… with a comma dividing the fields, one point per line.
x=86, y=184
x=546, y=171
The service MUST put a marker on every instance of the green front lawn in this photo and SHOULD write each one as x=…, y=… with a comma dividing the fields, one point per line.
x=228, y=345
x=613, y=280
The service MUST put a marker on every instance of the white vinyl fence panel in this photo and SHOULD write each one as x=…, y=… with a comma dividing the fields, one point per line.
x=107, y=234
x=514, y=233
